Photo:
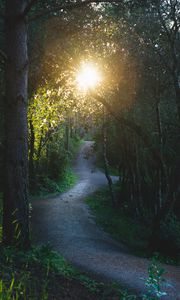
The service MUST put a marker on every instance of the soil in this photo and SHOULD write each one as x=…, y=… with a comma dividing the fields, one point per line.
x=72, y=289
x=66, y=223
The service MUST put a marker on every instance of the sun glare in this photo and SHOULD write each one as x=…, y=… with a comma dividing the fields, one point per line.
x=88, y=77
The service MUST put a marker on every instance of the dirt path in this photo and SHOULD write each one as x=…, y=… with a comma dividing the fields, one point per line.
x=67, y=224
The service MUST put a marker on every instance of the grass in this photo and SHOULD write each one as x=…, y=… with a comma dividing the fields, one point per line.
x=41, y=273
x=51, y=188
x=121, y=227
x=67, y=181
x=113, y=171
x=133, y=234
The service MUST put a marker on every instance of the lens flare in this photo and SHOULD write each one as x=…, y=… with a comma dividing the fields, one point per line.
x=88, y=77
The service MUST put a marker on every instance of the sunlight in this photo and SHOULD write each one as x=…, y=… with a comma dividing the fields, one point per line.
x=88, y=77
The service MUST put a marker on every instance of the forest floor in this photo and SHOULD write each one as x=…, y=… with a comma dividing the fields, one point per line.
x=65, y=222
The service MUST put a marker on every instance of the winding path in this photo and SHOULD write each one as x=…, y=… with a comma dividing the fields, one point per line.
x=67, y=224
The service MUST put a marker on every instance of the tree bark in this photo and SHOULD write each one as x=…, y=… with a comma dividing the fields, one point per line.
x=31, y=153
x=106, y=164
x=67, y=134
x=15, y=203
x=160, y=135
x=177, y=92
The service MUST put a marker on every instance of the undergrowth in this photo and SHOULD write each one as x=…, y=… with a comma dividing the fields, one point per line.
x=122, y=227
x=52, y=188
x=118, y=225
x=41, y=273
x=48, y=187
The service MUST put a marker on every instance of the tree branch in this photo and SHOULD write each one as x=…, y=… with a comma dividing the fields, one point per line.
x=134, y=128
x=70, y=6
x=163, y=23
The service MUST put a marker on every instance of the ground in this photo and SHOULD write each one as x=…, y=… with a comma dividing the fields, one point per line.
x=66, y=223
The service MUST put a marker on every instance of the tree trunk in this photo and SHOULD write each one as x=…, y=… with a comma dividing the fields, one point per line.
x=15, y=203
x=106, y=164
x=160, y=175
x=67, y=134
x=138, y=195
x=177, y=92
x=31, y=154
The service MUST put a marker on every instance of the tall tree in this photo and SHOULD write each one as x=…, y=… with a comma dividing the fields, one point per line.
x=15, y=204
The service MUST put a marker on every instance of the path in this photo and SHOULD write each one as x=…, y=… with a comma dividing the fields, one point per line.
x=67, y=224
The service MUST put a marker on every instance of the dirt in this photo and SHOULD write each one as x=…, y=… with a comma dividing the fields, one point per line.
x=72, y=289
x=66, y=223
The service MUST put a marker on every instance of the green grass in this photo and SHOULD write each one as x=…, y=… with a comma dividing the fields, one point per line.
x=41, y=273
x=67, y=181
x=133, y=234
x=51, y=188
x=113, y=171
x=118, y=225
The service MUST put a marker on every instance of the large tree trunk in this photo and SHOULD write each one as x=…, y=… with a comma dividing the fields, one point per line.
x=15, y=206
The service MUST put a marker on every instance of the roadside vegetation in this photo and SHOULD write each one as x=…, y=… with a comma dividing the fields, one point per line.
x=132, y=232
x=48, y=183
x=41, y=273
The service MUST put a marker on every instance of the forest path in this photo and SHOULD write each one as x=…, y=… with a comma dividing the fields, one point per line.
x=66, y=223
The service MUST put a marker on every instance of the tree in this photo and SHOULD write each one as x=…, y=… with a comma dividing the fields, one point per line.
x=15, y=204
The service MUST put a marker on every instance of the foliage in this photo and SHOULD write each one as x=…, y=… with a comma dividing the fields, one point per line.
x=51, y=146
x=170, y=236
x=43, y=274
x=154, y=281
x=48, y=187
x=118, y=224
x=18, y=280
x=144, y=43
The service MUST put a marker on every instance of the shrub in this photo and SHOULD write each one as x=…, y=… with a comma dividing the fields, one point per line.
x=170, y=236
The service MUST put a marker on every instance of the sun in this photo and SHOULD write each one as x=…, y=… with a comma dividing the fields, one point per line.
x=88, y=76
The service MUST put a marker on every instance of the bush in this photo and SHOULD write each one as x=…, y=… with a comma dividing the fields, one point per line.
x=57, y=164
x=170, y=236
x=41, y=273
